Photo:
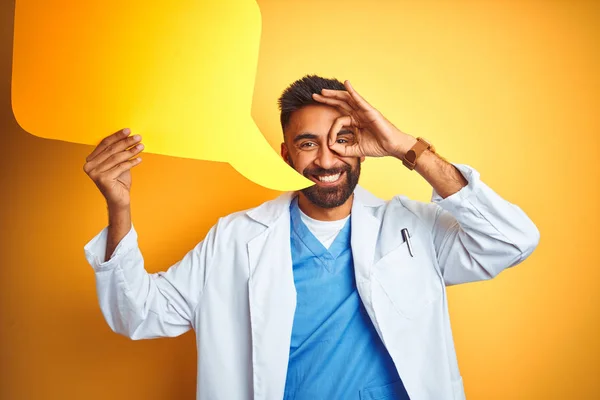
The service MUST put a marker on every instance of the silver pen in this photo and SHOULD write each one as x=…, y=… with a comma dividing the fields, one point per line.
x=406, y=237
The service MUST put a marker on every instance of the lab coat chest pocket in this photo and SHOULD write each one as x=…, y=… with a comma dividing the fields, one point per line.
x=410, y=282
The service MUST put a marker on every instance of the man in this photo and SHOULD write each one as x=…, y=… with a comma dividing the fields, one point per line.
x=325, y=293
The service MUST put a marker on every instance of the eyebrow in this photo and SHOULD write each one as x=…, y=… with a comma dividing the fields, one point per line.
x=305, y=135
x=308, y=135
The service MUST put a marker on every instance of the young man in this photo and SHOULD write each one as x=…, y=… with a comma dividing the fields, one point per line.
x=325, y=293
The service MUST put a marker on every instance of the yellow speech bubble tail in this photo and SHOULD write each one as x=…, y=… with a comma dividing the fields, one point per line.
x=265, y=167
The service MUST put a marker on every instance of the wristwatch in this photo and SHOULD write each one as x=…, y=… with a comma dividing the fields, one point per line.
x=410, y=158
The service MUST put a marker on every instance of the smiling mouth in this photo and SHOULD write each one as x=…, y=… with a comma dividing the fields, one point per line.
x=328, y=179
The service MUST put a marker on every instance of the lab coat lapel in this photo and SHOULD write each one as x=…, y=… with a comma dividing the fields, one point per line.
x=364, y=233
x=272, y=297
x=363, y=238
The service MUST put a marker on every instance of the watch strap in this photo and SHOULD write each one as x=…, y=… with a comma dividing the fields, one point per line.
x=410, y=158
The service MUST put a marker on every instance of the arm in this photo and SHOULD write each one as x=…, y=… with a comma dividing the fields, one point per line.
x=441, y=175
x=476, y=232
x=135, y=303
x=140, y=305
x=119, y=223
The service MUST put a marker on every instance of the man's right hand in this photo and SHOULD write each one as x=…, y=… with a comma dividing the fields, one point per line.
x=109, y=167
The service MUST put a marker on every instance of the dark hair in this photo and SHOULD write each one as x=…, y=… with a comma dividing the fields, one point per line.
x=299, y=94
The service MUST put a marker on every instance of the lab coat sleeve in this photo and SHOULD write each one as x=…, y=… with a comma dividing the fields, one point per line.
x=140, y=305
x=477, y=234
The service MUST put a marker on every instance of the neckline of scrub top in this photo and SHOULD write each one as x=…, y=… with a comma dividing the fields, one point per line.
x=339, y=245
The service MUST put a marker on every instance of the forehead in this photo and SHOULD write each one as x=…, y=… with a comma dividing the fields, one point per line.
x=313, y=118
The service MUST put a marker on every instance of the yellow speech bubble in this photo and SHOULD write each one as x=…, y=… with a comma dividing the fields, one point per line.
x=179, y=73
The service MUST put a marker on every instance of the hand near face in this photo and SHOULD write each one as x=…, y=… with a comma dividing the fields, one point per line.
x=375, y=136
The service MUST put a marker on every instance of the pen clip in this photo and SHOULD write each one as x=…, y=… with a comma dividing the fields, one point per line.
x=406, y=237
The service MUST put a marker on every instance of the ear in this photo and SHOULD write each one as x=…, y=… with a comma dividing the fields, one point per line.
x=362, y=159
x=285, y=154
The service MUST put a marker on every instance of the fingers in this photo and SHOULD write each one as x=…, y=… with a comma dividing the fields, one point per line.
x=362, y=103
x=343, y=98
x=118, y=158
x=351, y=147
x=333, y=102
x=111, y=145
x=110, y=153
x=108, y=141
x=346, y=150
x=122, y=167
x=338, y=124
x=339, y=95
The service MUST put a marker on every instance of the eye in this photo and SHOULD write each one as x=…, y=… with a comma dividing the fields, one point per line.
x=307, y=144
x=346, y=139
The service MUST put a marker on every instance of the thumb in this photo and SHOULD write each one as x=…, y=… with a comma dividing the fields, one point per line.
x=346, y=150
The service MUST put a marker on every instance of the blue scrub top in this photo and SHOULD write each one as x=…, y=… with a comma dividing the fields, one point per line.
x=335, y=352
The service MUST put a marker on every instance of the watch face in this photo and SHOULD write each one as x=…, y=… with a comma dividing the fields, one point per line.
x=411, y=156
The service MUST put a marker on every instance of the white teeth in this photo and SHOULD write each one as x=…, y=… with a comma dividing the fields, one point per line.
x=329, y=178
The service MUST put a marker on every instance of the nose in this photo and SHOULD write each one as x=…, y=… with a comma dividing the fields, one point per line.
x=326, y=158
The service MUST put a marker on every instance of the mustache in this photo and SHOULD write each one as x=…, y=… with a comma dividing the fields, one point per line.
x=322, y=171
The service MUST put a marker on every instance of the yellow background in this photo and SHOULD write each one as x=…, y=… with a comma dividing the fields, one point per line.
x=510, y=88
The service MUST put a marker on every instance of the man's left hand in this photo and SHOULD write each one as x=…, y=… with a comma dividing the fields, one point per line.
x=375, y=136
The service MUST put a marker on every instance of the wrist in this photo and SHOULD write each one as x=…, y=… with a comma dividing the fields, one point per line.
x=404, y=146
x=118, y=210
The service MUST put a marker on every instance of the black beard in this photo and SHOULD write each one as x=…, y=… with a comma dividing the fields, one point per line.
x=331, y=197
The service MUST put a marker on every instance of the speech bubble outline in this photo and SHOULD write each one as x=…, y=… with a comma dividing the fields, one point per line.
x=180, y=74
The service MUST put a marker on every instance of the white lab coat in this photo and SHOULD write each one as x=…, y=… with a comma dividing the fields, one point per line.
x=236, y=287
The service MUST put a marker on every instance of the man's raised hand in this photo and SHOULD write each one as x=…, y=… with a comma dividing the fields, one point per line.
x=109, y=166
